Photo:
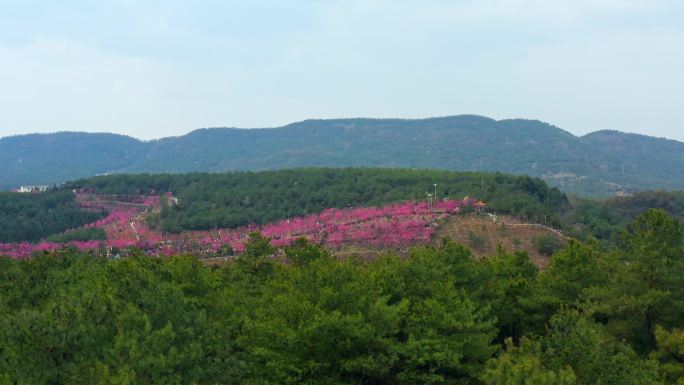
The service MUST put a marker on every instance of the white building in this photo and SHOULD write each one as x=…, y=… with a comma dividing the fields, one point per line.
x=32, y=189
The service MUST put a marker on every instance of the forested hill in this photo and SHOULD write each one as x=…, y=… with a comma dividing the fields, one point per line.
x=233, y=199
x=600, y=163
x=54, y=158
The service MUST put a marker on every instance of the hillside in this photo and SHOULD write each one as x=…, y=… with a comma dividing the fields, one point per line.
x=597, y=164
x=30, y=217
x=209, y=201
x=206, y=201
x=367, y=232
x=604, y=219
x=54, y=158
x=391, y=227
x=485, y=234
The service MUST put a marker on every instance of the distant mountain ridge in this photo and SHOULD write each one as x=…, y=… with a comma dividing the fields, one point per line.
x=600, y=163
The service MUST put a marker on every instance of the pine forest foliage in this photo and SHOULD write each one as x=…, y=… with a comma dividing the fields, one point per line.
x=303, y=316
x=604, y=219
x=227, y=200
x=30, y=217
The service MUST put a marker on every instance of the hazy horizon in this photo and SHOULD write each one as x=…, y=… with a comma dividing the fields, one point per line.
x=157, y=69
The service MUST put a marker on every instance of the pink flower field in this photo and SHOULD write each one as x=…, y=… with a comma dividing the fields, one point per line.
x=394, y=226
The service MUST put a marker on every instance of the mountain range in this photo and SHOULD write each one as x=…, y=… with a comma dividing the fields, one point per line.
x=598, y=164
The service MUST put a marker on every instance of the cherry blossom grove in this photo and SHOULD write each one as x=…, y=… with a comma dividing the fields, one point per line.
x=392, y=226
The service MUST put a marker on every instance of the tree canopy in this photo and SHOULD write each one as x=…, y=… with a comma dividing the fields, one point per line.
x=31, y=217
x=302, y=315
x=232, y=199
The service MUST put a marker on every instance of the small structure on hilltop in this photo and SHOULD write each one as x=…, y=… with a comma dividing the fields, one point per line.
x=32, y=189
x=622, y=193
x=480, y=206
x=171, y=200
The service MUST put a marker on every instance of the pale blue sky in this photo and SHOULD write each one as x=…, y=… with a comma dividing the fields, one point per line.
x=158, y=68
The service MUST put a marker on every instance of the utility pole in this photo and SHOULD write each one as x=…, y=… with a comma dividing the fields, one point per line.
x=436, y=192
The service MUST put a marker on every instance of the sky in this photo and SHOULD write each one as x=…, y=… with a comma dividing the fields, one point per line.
x=159, y=68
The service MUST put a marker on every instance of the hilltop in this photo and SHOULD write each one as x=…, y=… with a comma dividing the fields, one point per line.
x=202, y=213
x=598, y=164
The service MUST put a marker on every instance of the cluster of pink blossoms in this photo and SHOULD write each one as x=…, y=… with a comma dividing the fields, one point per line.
x=393, y=226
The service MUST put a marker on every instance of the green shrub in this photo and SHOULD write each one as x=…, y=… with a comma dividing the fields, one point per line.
x=547, y=244
x=88, y=234
x=477, y=241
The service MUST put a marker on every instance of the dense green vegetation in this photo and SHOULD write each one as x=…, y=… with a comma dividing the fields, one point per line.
x=85, y=234
x=596, y=164
x=30, y=217
x=438, y=317
x=227, y=200
x=604, y=219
